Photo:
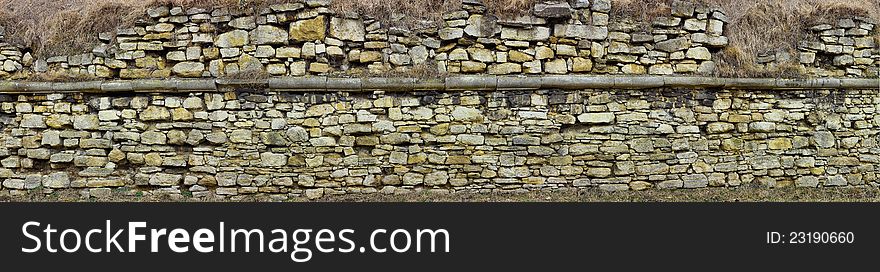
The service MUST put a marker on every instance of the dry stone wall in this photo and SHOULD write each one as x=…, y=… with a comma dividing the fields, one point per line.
x=555, y=37
x=844, y=49
x=307, y=38
x=246, y=141
x=300, y=135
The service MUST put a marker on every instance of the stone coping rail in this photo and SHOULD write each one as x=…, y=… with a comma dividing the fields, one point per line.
x=452, y=83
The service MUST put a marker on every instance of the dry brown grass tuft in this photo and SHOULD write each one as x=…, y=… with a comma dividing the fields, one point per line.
x=508, y=8
x=57, y=27
x=640, y=10
x=430, y=10
x=390, y=11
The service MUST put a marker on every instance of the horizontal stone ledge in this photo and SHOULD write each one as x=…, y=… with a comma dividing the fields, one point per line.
x=154, y=85
x=452, y=83
x=576, y=82
x=472, y=83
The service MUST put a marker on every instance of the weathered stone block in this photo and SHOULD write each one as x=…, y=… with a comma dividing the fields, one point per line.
x=188, y=69
x=268, y=159
x=482, y=26
x=235, y=38
x=596, y=118
x=552, y=9
x=266, y=34
x=162, y=179
x=33, y=121
x=347, y=29
x=532, y=34
x=588, y=32
x=673, y=45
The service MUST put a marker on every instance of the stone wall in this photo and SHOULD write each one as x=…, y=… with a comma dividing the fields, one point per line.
x=844, y=49
x=307, y=38
x=312, y=129
x=245, y=141
x=556, y=37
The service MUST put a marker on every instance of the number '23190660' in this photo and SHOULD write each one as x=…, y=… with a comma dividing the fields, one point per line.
x=816, y=237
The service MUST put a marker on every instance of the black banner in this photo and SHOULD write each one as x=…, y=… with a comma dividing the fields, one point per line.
x=493, y=236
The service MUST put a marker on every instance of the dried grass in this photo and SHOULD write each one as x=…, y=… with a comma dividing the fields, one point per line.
x=57, y=27
x=397, y=12
x=508, y=8
x=425, y=10
x=640, y=10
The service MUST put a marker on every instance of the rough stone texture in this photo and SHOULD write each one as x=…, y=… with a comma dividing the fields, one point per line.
x=556, y=37
x=314, y=143
x=347, y=29
x=257, y=141
x=552, y=9
x=188, y=69
x=674, y=45
x=308, y=30
x=266, y=34
x=235, y=38
x=482, y=26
